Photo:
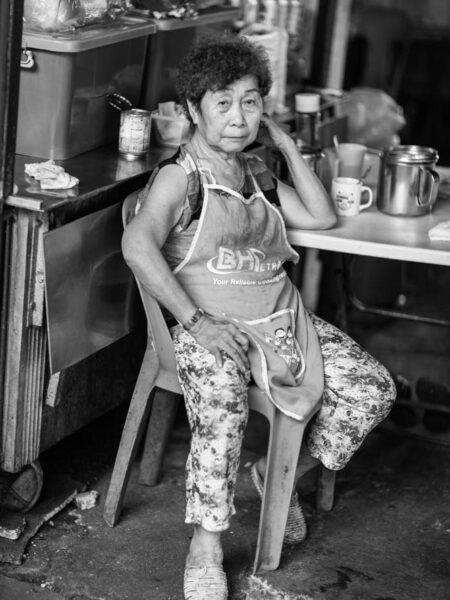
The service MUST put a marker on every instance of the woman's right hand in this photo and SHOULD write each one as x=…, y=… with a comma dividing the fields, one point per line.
x=219, y=336
x=270, y=134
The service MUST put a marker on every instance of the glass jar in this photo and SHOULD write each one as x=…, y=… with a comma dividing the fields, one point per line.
x=307, y=119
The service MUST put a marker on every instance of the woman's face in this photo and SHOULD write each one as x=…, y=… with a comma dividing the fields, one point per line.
x=228, y=119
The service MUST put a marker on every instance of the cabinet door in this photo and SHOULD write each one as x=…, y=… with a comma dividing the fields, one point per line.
x=91, y=296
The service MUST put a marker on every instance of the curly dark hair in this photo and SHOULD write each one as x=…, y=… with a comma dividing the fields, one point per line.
x=214, y=63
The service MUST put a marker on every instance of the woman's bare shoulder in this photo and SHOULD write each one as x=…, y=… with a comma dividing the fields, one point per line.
x=168, y=187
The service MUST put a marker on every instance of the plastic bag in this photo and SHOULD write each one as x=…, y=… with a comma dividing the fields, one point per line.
x=374, y=118
x=51, y=15
x=101, y=11
x=64, y=15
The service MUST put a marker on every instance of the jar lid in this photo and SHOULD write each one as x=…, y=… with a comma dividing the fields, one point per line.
x=412, y=154
x=308, y=103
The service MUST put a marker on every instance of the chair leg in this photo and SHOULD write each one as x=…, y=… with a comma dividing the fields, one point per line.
x=326, y=479
x=132, y=431
x=162, y=417
x=285, y=440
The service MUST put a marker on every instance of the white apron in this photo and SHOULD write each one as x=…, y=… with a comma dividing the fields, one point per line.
x=234, y=269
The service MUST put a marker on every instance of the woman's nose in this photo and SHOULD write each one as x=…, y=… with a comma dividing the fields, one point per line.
x=237, y=115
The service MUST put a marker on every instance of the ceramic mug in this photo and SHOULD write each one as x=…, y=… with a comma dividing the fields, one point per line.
x=346, y=193
x=349, y=160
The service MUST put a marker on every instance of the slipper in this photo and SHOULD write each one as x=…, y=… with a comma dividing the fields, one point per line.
x=206, y=582
x=25, y=490
x=296, y=529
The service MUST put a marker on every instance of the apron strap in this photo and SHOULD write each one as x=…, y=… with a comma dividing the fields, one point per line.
x=206, y=176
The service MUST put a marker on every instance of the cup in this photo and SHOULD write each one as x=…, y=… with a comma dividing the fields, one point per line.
x=350, y=160
x=346, y=193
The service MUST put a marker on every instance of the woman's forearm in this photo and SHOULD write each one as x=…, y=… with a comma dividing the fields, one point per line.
x=308, y=186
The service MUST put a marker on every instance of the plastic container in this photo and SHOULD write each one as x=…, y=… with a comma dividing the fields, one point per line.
x=169, y=131
x=64, y=84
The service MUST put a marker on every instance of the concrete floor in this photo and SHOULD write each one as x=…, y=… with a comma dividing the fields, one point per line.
x=387, y=538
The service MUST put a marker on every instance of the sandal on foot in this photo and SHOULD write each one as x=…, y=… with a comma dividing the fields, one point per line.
x=206, y=582
x=296, y=529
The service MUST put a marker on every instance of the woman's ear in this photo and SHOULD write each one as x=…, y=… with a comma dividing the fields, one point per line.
x=193, y=112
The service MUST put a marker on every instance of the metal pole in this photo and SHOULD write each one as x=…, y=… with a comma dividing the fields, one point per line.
x=330, y=46
x=11, y=15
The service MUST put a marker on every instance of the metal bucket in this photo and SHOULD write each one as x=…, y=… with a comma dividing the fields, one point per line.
x=408, y=184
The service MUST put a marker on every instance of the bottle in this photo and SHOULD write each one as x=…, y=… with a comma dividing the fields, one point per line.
x=269, y=13
x=307, y=120
x=251, y=11
x=295, y=13
x=283, y=14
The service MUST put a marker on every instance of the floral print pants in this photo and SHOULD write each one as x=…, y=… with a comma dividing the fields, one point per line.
x=358, y=395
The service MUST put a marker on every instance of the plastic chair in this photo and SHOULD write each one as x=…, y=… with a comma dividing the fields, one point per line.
x=158, y=374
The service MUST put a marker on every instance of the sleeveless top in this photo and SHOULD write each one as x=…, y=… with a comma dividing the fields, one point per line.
x=180, y=238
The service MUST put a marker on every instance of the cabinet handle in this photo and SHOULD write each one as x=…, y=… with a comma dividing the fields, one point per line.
x=26, y=59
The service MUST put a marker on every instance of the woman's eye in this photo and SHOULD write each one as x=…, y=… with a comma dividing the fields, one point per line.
x=223, y=103
x=251, y=103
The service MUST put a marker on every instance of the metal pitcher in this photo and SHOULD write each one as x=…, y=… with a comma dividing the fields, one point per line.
x=312, y=156
x=408, y=184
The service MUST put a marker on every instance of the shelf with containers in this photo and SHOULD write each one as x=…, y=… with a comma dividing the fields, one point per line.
x=73, y=341
x=62, y=247
x=65, y=81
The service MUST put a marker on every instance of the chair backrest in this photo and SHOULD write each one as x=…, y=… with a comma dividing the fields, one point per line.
x=157, y=329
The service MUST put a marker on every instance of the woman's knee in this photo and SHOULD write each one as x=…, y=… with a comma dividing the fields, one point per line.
x=224, y=412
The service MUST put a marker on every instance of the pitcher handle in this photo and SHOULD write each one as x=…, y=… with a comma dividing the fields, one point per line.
x=434, y=187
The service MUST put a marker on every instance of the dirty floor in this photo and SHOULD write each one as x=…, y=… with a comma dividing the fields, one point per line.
x=387, y=537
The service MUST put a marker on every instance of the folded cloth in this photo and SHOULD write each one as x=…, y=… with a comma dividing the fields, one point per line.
x=51, y=176
x=441, y=231
x=63, y=181
x=47, y=168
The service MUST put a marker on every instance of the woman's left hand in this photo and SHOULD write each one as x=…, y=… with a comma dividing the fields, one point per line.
x=270, y=134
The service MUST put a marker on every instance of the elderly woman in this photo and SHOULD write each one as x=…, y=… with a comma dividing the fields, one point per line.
x=208, y=242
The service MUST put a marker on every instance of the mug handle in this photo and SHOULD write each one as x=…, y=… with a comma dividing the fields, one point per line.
x=362, y=206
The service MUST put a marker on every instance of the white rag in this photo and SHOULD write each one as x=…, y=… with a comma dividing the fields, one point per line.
x=441, y=231
x=51, y=176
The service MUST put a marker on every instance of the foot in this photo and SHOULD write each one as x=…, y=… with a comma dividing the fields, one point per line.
x=296, y=529
x=205, y=548
x=207, y=582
